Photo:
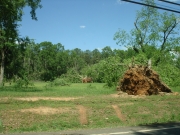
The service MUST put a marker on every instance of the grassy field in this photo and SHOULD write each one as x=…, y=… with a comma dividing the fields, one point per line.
x=81, y=106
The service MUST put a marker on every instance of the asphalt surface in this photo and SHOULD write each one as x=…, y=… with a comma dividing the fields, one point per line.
x=154, y=129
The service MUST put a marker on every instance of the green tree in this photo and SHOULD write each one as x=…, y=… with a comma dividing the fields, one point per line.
x=32, y=61
x=107, y=52
x=151, y=28
x=96, y=56
x=88, y=57
x=176, y=51
x=11, y=12
x=62, y=60
x=52, y=60
x=178, y=62
x=77, y=59
x=113, y=70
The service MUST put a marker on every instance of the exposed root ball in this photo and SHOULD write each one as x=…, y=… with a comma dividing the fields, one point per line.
x=141, y=80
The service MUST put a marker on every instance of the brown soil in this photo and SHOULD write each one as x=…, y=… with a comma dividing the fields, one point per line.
x=45, y=98
x=125, y=95
x=118, y=113
x=83, y=115
x=140, y=80
x=45, y=110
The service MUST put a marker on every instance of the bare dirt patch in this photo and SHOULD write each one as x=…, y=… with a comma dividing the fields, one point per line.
x=82, y=115
x=46, y=110
x=46, y=98
x=125, y=95
x=118, y=113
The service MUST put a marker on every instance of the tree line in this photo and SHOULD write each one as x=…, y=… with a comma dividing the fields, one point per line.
x=46, y=61
x=155, y=36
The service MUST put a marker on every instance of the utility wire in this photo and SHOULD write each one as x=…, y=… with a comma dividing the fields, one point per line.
x=151, y=6
x=172, y=8
x=170, y=2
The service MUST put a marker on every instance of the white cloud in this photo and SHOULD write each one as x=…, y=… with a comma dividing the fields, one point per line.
x=82, y=26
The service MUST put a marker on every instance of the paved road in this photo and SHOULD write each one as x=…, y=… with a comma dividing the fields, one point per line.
x=155, y=129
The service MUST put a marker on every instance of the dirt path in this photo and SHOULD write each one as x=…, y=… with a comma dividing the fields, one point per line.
x=118, y=113
x=43, y=110
x=82, y=115
x=47, y=98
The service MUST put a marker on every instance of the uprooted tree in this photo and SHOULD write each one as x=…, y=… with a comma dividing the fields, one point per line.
x=142, y=80
x=86, y=79
x=152, y=30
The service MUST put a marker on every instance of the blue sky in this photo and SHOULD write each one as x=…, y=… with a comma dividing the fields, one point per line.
x=84, y=24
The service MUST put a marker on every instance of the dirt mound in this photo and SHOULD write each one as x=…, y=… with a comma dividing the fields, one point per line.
x=141, y=80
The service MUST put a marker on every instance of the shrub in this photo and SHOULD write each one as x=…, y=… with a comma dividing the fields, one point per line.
x=113, y=70
x=169, y=74
x=58, y=82
x=22, y=82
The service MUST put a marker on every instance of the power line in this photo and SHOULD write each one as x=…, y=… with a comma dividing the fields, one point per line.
x=172, y=8
x=151, y=6
x=165, y=6
x=170, y=2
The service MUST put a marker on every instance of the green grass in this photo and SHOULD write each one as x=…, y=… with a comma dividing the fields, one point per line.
x=176, y=89
x=97, y=100
x=40, y=89
x=1, y=126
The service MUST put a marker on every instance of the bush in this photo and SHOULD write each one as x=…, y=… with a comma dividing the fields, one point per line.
x=58, y=82
x=113, y=70
x=106, y=71
x=23, y=82
x=94, y=71
x=169, y=74
x=72, y=76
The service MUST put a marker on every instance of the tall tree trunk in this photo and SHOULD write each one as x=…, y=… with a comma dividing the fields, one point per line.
x=2, y=67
